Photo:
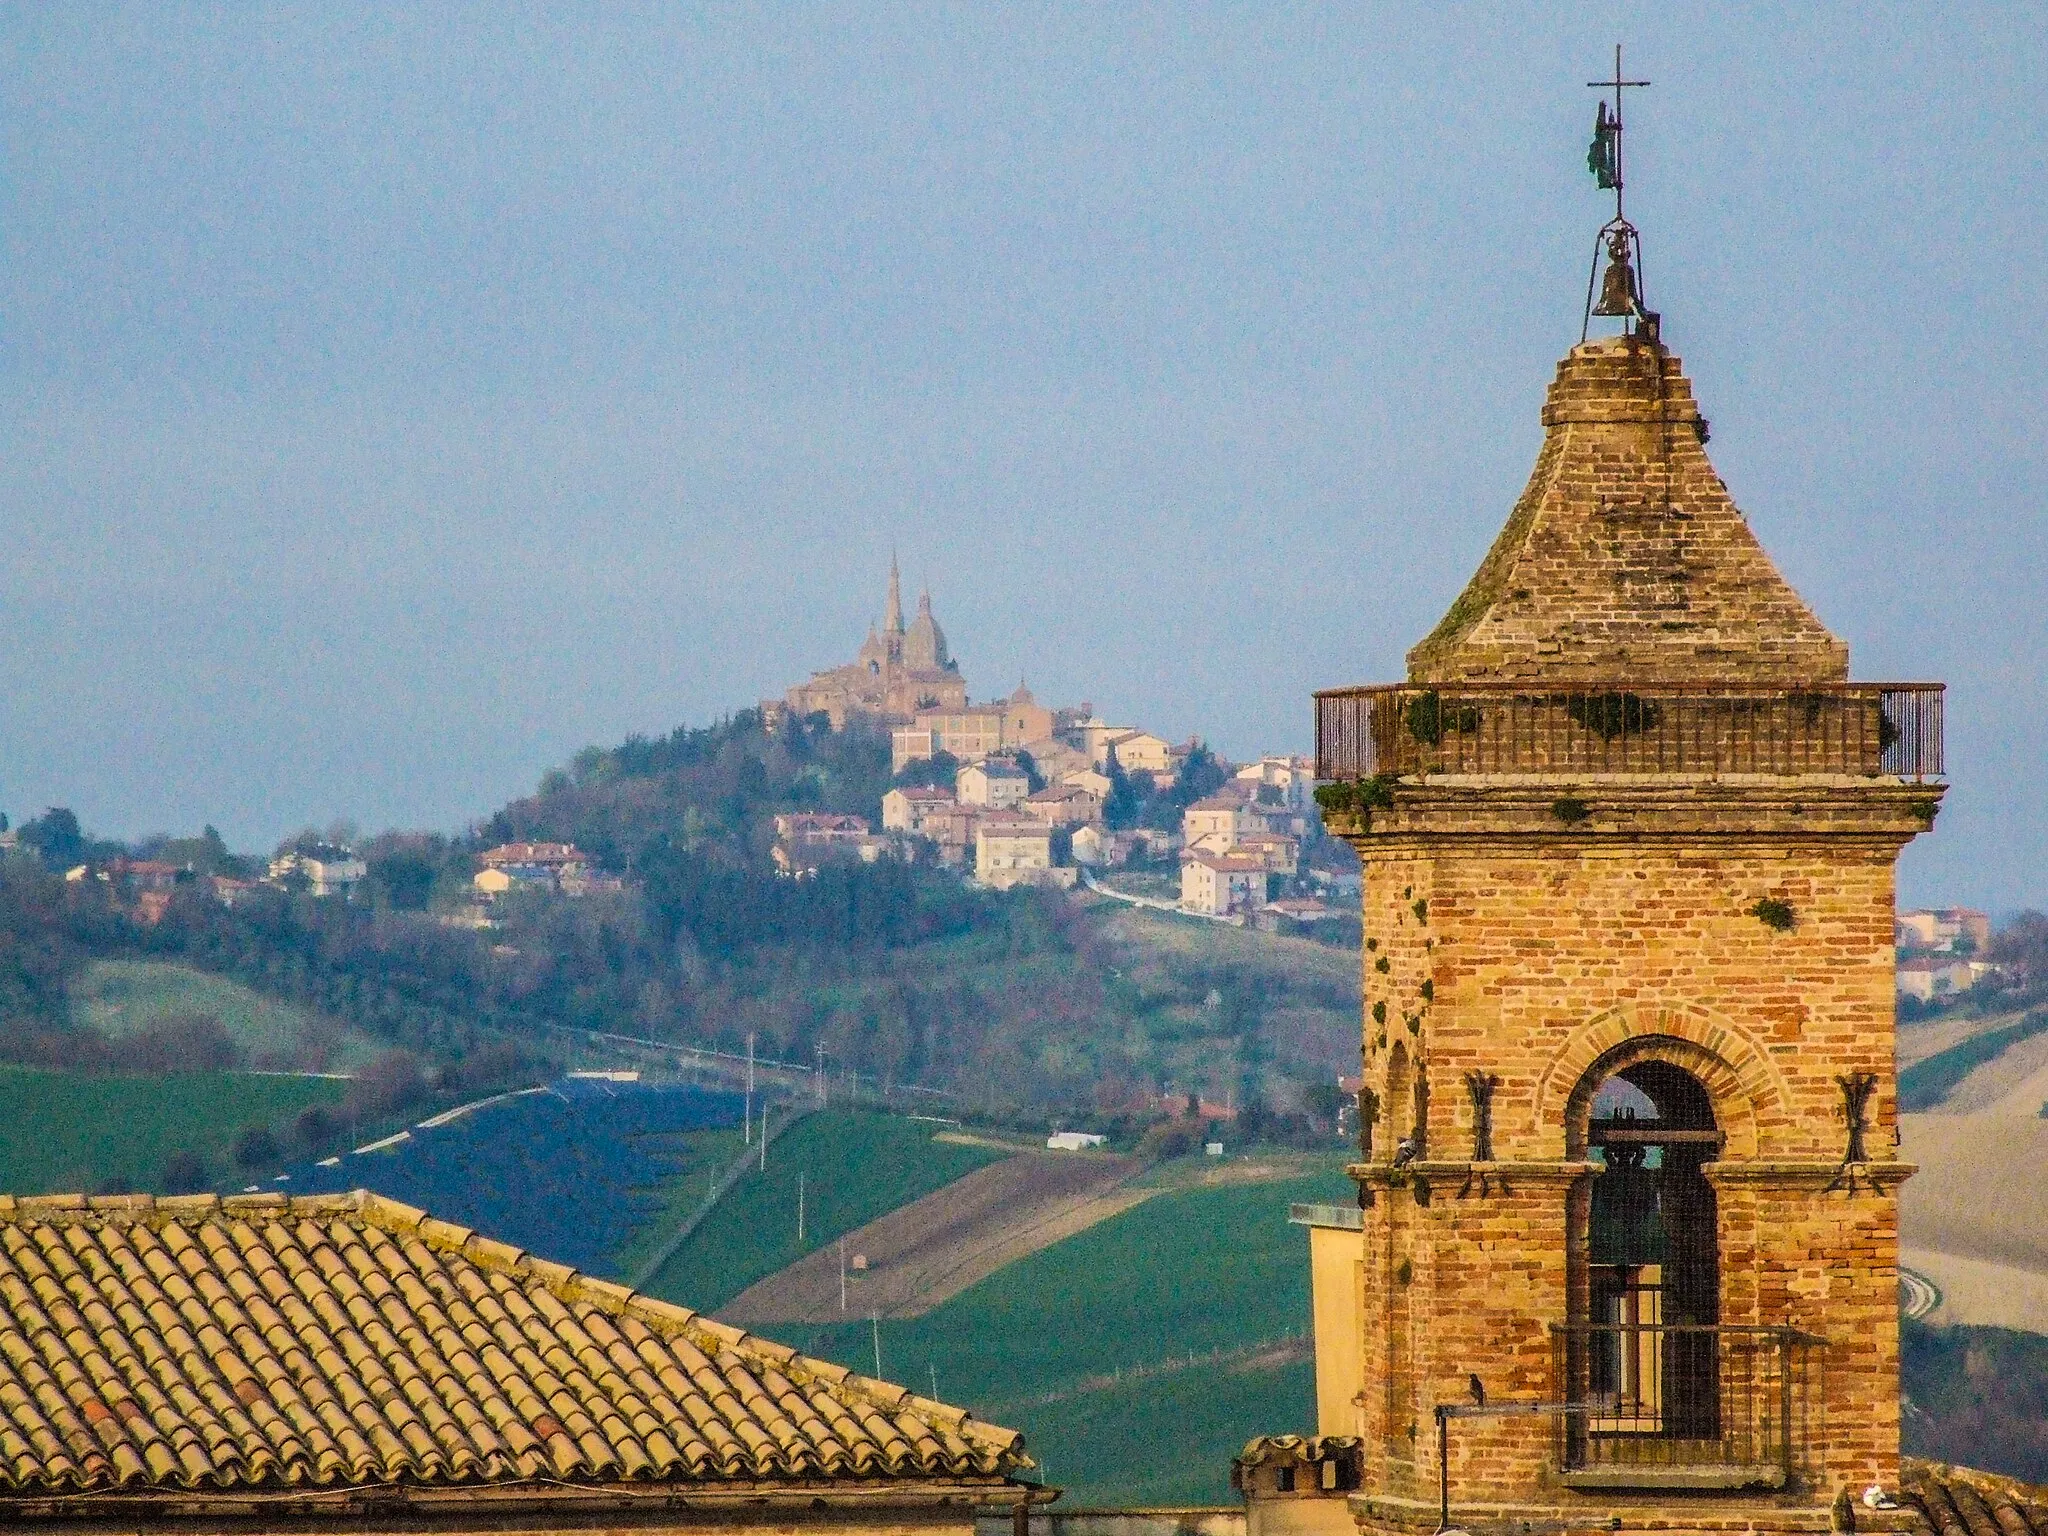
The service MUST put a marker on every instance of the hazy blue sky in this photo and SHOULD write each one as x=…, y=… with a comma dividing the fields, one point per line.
x=395, y=403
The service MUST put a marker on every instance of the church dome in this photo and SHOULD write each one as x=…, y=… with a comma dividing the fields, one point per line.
x=924, y=646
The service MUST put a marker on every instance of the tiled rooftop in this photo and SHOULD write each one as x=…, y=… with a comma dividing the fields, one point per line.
x=1957, y=1501
x=155, y=1345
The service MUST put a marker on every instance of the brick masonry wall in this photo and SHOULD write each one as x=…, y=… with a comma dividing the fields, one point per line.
x=1625, y=556
x=1498, y=940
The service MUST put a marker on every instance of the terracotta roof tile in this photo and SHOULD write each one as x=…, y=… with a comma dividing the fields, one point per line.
x=265, y=1342
x=1957, y=1501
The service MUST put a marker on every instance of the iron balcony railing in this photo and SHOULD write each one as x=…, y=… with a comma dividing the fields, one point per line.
x=1862, y=729
x=1681, y=1405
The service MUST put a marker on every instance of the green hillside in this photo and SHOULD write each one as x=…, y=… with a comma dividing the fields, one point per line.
x=122, y=997
x=1978, y=1396
x=62, y=1132
x=1122, y=1352
x=854, y=1166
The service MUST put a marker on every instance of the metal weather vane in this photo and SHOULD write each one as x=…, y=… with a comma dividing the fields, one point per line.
x=1621, y=291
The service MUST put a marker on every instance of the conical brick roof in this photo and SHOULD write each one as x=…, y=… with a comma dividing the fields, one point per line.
x=1625, y=560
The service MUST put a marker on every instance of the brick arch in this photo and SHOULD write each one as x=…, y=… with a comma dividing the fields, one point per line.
x=1738, y=1074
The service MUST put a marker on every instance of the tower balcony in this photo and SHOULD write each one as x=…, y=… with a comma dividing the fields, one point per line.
x=1675, y=1406
x=1859, y=730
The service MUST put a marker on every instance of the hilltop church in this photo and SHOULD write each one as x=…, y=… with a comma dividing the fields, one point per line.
x=899, y=671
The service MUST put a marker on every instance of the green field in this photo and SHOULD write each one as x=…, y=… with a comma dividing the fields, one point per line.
x=1049, y=1344
x=61, y=1132
x=854, y=1166
x=122, y=997
x=1168, y=1439
x=1925, y=1084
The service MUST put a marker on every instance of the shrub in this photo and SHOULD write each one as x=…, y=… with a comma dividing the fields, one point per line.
x=1774, y=914
x=316, y=1128
x=256, y=1148
x=1170, y=1138
x=1357, y=797
x=1428, y=719
x=1570, y=810
x=1609, y=715
x=387, y=1085
x=177, y=1042
x=184, y=1173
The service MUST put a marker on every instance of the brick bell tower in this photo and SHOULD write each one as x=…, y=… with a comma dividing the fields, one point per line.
x=1627, y=1178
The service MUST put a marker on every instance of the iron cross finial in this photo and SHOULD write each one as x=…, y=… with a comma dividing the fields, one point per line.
x=1604, y=157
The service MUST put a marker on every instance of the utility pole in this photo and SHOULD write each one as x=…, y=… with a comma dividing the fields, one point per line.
x=818, y=1077
x=764, y=1138
x=875, y=1322
x=799, y=1207
x=749, y=1115
x=842, y=1274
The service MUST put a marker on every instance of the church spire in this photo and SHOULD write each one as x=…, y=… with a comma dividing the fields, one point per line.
x=892, y=617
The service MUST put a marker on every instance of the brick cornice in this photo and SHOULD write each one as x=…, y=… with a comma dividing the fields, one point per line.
x=1518, y=813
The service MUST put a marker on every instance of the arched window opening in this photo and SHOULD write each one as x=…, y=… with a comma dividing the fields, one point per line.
x=1653, y=1292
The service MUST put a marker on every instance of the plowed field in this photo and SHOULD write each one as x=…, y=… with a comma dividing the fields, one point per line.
x=923, y=1253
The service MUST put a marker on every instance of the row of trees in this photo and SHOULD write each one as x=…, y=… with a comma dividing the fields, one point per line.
x=901, y=972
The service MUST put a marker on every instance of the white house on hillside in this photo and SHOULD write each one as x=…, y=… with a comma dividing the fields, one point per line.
x=996, y=784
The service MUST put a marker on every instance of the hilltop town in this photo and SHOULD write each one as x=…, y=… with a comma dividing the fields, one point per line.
x=1013, y=792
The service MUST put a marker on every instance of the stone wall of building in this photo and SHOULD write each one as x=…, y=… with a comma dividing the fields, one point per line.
x=1625, y=556
x=1505, y=941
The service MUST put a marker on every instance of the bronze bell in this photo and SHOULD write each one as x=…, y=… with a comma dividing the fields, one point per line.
x=1618, y=295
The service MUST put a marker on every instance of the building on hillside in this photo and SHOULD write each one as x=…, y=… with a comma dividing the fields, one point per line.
x=898, y=671
x=910, y=808
x=1212, y=824
x=1222, y=884
x=972, y=732
x=968, y=734
x=819, y=828
x=1627, y=1178
x=345, y=1365
x=1014, y=849
x=1093, y=780
x=1064, y=805
x=1291, y=914
x=227, y=890
x=1097, y=847
x=806, y=840
x=799, y=861
x=1089, y=736
x=1142, y=752
x=141, y=876
x=1281, y=780
x=324, y=869
x=1928, y=978
x=1056, y=759
x=1944, y=929
x=1073, y=1141
x=1279, y=853
x=951, y=829
x=562, y=868
x=1153, y=842
x=996, y=784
